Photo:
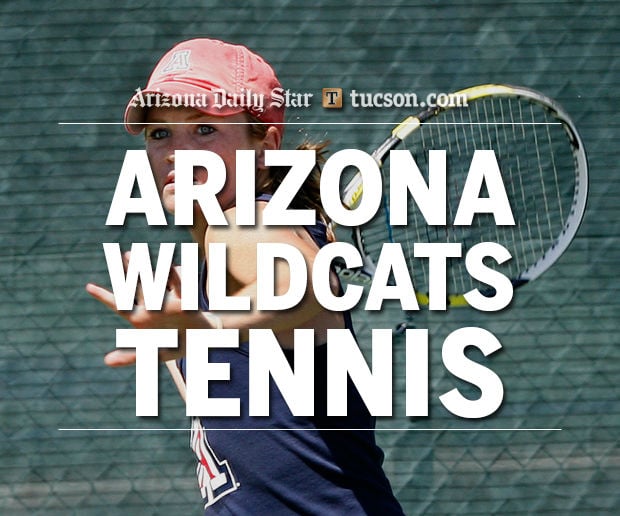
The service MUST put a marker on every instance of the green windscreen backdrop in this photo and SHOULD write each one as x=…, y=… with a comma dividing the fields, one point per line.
x=75, y=61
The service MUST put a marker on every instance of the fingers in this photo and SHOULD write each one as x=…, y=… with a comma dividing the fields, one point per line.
x=177, y=378
x=120, y=358
x=127, y=357
x=107, y=298
x=139, y=295
x=173, y=289
x=174, y=279
x=102, y=295
x=139, y=317
x=117, y=358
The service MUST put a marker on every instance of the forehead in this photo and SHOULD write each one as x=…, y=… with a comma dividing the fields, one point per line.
x=188, y=114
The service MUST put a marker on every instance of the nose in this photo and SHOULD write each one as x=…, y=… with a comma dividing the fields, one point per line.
x=170, y=157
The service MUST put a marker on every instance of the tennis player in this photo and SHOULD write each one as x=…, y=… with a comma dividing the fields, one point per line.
x=280, y=464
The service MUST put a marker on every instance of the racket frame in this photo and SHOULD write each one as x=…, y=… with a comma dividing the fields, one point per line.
x=353, y=191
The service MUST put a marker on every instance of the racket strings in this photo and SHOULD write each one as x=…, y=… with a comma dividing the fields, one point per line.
x=490, y=143
x=556, y=181
x=519, y=200
x=535, y=158
x=503, y=147
x=542, y=177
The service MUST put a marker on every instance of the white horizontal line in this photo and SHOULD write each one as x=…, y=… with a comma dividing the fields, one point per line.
x=313, y=429
x=319, y=123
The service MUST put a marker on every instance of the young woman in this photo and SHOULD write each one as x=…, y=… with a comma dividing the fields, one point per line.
x=280, y=464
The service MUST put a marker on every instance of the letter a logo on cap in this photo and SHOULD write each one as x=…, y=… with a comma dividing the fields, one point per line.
x=178, y=61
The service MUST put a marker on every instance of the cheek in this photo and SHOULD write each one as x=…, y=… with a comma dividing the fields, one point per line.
x=231, y=169
x=200, y=175
x=159, y=167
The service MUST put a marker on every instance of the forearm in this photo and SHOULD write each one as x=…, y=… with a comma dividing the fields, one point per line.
x=276, y=320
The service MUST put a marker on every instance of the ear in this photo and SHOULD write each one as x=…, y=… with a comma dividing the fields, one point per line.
x=271, y=141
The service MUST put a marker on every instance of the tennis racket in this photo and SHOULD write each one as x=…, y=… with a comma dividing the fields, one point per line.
x=544, y=169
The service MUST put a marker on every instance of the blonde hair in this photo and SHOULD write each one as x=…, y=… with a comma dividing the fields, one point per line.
x=309, y=195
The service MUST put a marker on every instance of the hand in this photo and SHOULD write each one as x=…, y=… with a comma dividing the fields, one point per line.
x=170, y=316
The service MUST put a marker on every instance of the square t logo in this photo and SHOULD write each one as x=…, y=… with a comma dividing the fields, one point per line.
x=332, y=98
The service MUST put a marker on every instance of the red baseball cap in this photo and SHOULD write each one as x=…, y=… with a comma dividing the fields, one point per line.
x=212, y=76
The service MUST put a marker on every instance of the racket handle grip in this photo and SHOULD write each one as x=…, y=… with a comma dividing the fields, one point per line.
x=352, y=193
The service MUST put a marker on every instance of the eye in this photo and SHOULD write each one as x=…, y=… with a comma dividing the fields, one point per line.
x=205, y=129
x=158, y=133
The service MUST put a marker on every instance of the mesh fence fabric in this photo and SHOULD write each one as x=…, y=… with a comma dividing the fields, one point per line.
x=67, y=62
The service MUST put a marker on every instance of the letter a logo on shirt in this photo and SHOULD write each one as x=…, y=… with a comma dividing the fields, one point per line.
x=178, y=61
x=215, y=477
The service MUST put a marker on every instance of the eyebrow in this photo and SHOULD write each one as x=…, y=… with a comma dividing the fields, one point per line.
x=198, y=115
x=192, y=117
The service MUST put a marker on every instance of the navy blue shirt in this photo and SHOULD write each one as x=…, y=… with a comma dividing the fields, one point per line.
x=299, y=467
